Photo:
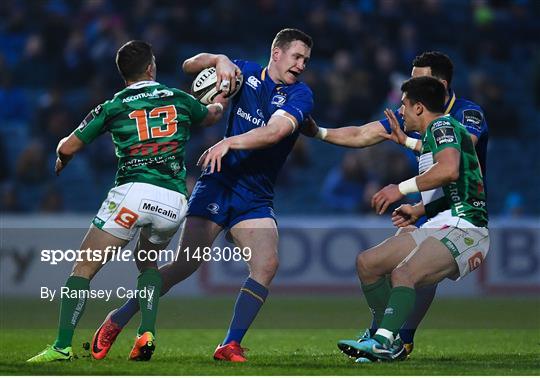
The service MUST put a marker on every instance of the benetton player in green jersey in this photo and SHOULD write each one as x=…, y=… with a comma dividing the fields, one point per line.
x=150, y=125
x=453, y=242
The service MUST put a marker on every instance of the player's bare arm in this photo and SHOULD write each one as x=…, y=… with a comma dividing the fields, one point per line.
x=281, y=125
x=67, y=148
x=226, y=70
x=347, y=136
x=215, y=110
x=398, y=135
x=444, y=171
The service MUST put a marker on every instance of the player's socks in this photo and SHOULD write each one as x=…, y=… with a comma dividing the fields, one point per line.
x=248, y=303
x=399, y=308
x=424, y=297
x=150, y=281
x=373, y=327
x=123, y=315
x=377, y=295
x=71, y=310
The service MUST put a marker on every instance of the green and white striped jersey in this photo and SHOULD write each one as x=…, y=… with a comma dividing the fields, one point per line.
x=465, y=197
x=150, y=125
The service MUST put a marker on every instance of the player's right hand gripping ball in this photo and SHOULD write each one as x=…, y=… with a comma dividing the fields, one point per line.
x=204, y=89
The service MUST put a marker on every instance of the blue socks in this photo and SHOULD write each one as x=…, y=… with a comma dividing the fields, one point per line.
x=424, y=297
x=123, y=315
x=248, y=303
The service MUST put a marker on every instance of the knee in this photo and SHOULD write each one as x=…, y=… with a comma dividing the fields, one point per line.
x=366, y=265
x=265, y=270
x=271, y=266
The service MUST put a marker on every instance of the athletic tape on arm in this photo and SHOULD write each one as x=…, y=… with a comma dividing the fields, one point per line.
x=283, y=113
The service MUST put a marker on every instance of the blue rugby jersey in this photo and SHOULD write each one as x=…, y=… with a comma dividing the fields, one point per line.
x=252, y=107
x=471, y=116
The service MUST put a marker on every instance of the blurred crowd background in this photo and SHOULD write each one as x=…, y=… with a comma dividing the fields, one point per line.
x=57, y=63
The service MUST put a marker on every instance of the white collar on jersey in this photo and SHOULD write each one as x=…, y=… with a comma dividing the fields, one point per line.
x=142, y=84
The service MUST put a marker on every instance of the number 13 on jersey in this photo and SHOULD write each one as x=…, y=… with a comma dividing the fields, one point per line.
x=169, y=120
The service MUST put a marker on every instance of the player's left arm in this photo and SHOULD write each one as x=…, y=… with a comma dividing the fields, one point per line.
x=473, y=119
x=397, y=135
x=66, y=149
x=280, y=125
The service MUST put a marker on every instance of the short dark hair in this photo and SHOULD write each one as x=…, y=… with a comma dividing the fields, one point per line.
x=440, y=64
x=427, y=90
x=286, y=36
x=133, y=58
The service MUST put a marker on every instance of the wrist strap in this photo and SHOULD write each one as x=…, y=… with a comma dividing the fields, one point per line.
x=408, y=186
x=411, y=143
x=321, y=133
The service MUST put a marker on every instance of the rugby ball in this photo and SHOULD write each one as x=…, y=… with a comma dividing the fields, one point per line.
x=204, y=89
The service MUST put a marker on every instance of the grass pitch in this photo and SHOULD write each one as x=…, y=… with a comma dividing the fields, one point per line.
x=292, y=336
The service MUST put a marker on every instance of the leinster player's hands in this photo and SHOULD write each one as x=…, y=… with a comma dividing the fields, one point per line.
x=213, y=156
x=226, y=73
x=404, y=216
x=385, y=197
x=397, y=135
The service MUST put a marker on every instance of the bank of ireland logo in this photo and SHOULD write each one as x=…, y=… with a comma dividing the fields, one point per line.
x=475, y=261
x=213, y=208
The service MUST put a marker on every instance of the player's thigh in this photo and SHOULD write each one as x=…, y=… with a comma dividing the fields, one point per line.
x=430, y=263
x=103, y=245
x=146, y=259
x=384, y=257
x=261, y=237
x=196, y=234
x=467, y=244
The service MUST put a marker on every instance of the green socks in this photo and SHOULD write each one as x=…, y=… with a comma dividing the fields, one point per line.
x=400, y=305
x=377, y=295
x=71, y=310
x=149, y=288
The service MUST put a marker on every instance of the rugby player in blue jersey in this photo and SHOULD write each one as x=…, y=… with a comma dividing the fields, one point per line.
x=236, y=190
x=471, y=115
